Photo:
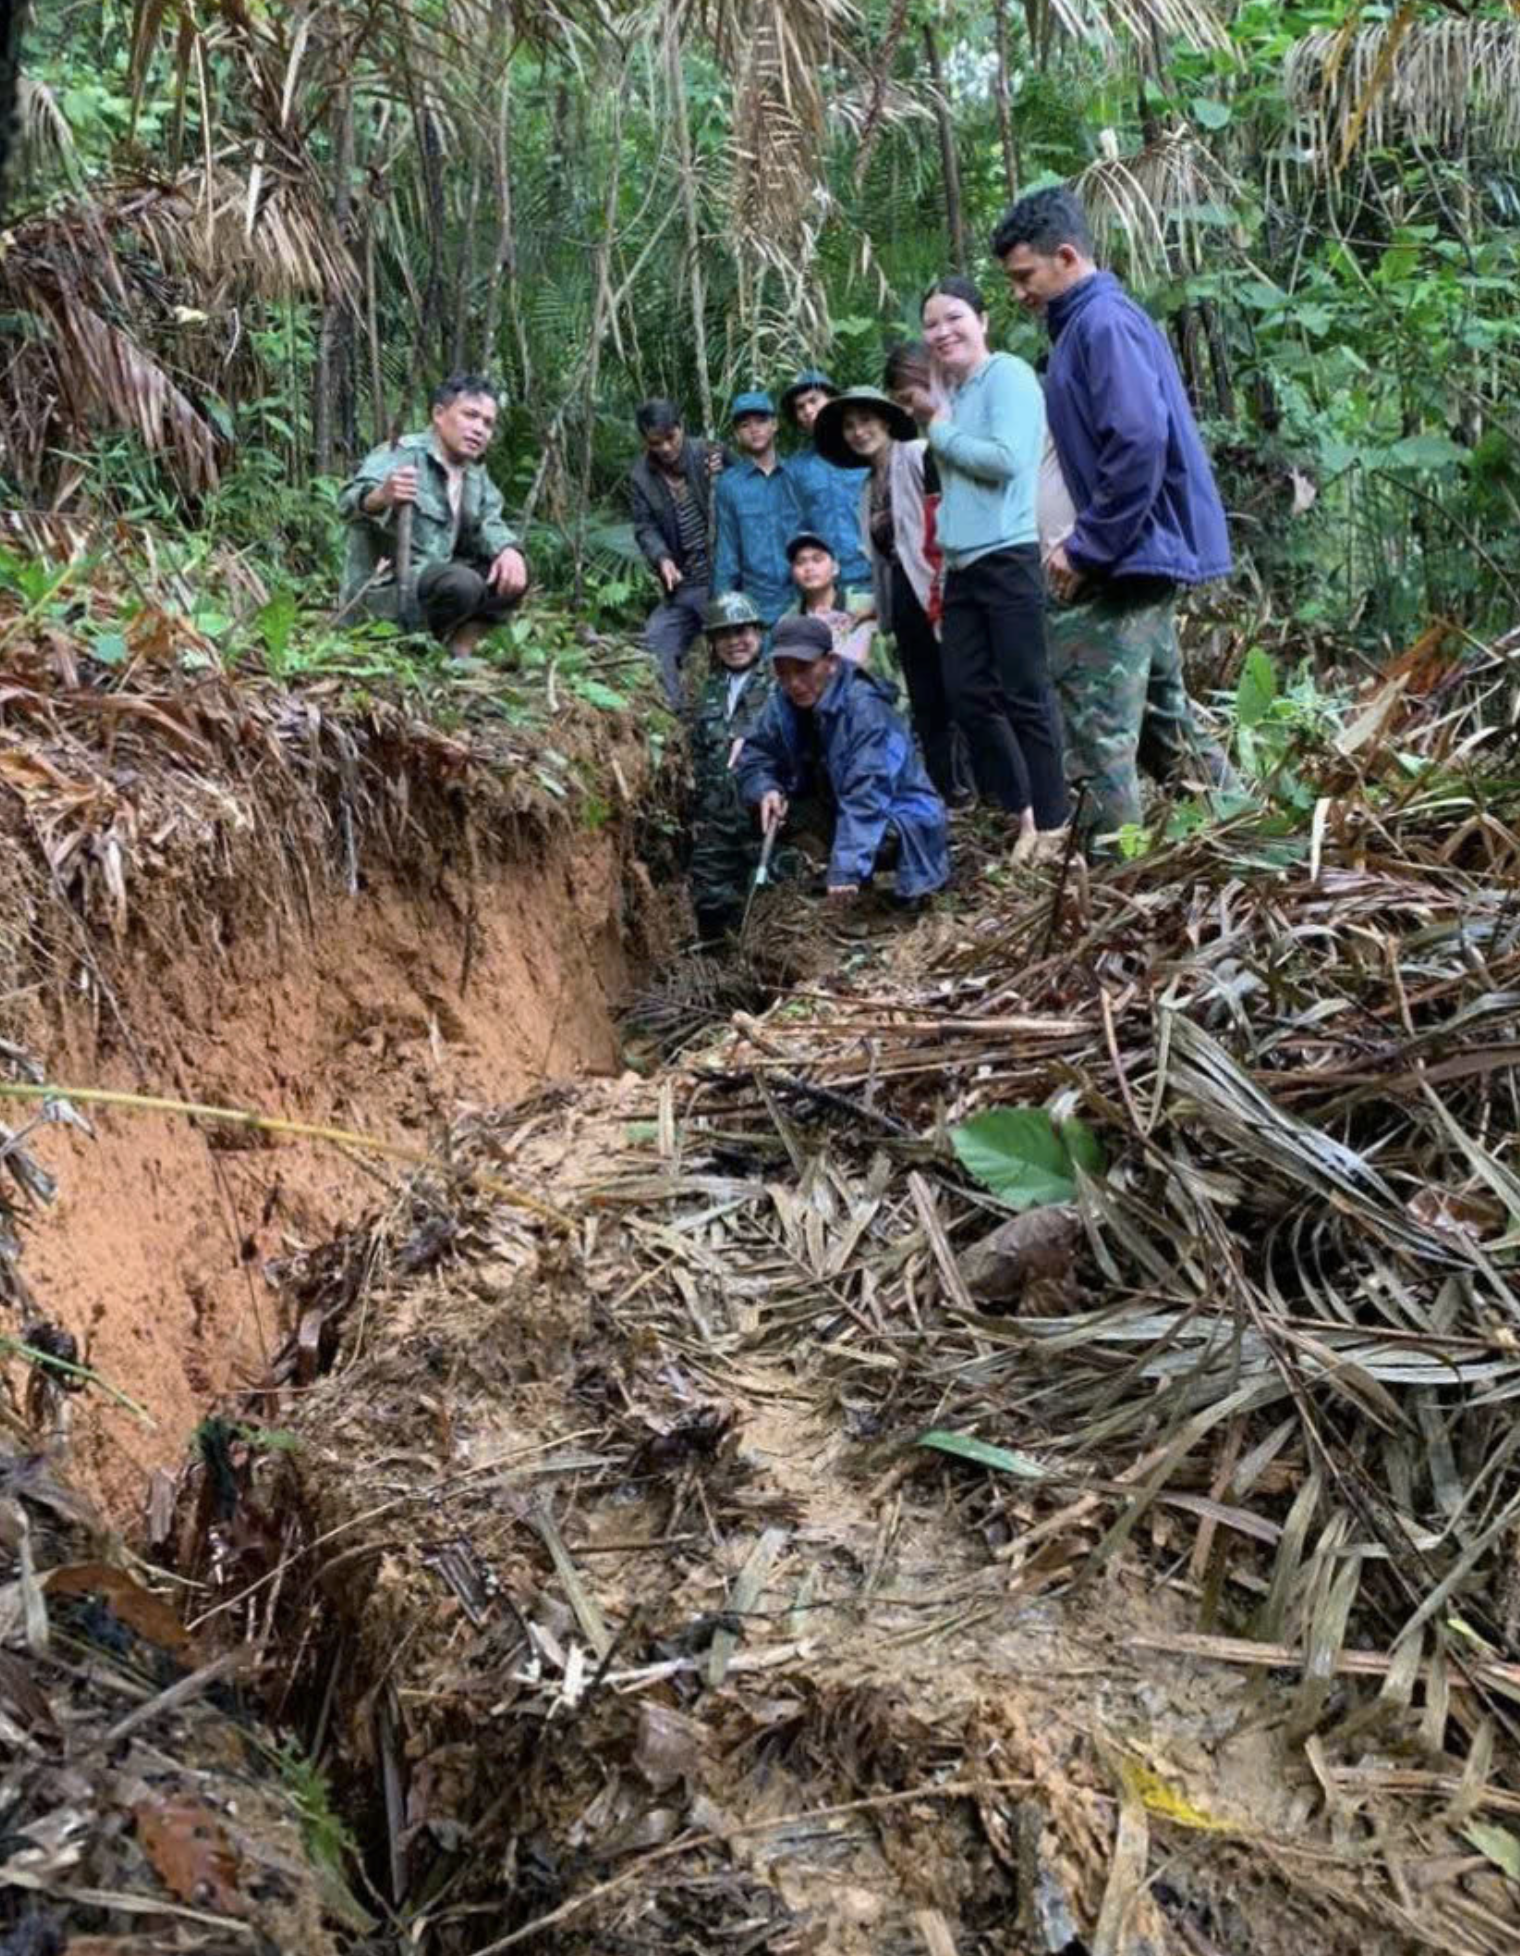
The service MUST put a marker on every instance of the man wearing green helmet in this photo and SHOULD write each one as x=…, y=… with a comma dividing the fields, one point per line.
x=726, y=849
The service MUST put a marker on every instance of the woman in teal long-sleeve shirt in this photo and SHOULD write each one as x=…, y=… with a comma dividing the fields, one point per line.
x=984, y=416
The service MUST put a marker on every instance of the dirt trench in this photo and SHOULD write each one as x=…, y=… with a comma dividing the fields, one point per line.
x=393, y=1012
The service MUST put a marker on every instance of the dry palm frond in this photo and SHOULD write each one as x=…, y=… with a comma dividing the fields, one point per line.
x=46, y=138
x=1150, y=207
x=780, y=197
x=1437, y=83
x=129, y=288
x=1197, y=22
x=105, y=375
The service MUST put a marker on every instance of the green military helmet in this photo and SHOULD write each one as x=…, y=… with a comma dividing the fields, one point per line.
x=728, y=611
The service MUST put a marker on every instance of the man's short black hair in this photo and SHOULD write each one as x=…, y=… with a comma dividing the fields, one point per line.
x=1044, y=220
x=450, y=390
x=656, y=417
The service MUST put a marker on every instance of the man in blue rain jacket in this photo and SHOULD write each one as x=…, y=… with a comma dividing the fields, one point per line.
x=831, y=724
x=834, y=492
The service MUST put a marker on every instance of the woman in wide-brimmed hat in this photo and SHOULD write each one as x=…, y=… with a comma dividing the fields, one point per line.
x=897, y=533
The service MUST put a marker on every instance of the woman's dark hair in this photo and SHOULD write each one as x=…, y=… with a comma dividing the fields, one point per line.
x=907, y=362
x=955, y=286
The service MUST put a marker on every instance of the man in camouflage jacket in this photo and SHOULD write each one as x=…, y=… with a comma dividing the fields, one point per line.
x=467, y=570
x=726, y=848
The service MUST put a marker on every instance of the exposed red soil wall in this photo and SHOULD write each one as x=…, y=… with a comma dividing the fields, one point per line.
x=153, y=1252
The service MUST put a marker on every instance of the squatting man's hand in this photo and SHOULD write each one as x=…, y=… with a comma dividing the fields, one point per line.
x=670, y=573
x=508, y=575
x=773, y=806
x=1062, y=575
x=715, y=461
x=400, y=486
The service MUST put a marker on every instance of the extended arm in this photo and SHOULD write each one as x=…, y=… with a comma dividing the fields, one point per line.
x=646, y=524
x=492, y=529
x=765, y=763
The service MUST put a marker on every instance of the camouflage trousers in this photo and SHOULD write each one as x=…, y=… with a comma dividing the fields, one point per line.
x=724, y=857
x=1117, y=667
x=725, y=853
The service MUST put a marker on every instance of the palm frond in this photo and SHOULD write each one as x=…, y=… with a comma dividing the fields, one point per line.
x=1197, y=22
x=47, y=141
x=1437, y=83
x=1151, y=206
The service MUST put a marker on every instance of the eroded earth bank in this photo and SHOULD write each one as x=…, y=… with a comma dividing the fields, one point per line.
x=539, y=1548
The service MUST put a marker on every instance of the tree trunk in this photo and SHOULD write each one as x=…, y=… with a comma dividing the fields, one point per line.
x=372, y=325
x=1011, y=166
x=955, y=221
x=504, y=259
x=333, y=364
x=685, y=163
x=601, y=320
x=1219, y=360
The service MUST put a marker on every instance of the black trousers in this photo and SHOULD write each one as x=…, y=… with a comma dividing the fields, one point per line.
x=997, y=678
x=452, y=594
x=924, y=675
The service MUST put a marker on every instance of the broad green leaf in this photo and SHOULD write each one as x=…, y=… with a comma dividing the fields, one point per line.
x=276, y=621
x=596, y=694
x=1210, y=114
x=965, y=1447
x=1259, y=296
x=1017, y=1153
x=1498, y=1843
x=1257, y=689
x=1426, y=452
x=1083, y=1146
x=110, y=648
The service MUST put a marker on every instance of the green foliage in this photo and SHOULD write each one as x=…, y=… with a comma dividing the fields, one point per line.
x=1024, y=1157
x=1358, y=356
x=966, y=1446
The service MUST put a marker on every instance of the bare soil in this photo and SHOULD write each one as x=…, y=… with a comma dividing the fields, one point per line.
x=153, y=1254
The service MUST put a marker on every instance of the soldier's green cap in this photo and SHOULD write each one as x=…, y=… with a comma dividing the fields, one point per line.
x=754, y=402
x=809, y=378
x=729, y=611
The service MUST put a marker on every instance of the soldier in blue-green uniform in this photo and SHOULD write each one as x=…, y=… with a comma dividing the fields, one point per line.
x=726, y=847
x=832, y=487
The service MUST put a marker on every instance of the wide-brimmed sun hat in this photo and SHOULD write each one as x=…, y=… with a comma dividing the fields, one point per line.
x=828, y=429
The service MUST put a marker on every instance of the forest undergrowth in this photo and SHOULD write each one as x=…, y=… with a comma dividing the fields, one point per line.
x=993, y=1435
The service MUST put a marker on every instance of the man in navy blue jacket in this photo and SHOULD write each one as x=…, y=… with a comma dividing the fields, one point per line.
x=830, y=727
x=1149, y=516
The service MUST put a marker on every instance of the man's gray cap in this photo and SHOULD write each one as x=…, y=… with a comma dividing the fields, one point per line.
x=800, y=637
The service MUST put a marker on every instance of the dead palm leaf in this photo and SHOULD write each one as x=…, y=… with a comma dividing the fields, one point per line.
x=1155, y=203
x=1437, y=83
x=1197, y=22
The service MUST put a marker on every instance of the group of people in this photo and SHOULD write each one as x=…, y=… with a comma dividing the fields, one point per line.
x=1022, y=543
